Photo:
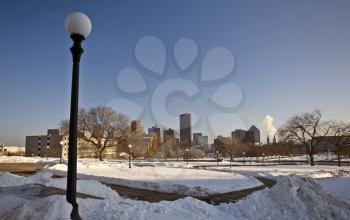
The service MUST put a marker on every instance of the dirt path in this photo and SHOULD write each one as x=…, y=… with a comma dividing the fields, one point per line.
x=21, y=169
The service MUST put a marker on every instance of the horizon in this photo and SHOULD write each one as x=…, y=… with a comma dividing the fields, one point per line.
x=286, y=60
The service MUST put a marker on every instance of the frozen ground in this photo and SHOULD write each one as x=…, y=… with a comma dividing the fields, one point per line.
x=162, y=178
x=293, y=197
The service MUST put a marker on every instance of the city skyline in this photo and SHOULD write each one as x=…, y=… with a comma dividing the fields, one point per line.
x=300, y=64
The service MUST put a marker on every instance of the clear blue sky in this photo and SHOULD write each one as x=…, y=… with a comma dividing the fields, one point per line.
x=292, y=56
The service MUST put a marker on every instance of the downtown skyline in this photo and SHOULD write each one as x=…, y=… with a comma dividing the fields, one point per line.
x=298, y=65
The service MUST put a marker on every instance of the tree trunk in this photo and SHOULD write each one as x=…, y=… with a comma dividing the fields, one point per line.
x=311, y=159
x=100, y=155
x=338, y=154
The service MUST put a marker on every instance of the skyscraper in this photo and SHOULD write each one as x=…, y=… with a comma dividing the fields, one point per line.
x=155, y=132
x=195, y=138
x=256, y=134
x=169, y=137
x=185, y=130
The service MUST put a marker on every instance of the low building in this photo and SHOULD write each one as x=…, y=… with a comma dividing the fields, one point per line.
x=252, y=135
x=44, y=145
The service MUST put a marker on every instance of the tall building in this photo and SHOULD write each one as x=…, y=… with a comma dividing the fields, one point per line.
x=274, y=139
x=238, y=134
x=195, y=138
x=169, y=137
x=268, y=139
x=250, y=136
x=44, y=145
x=136, y=127
x=256, y=134
x=185, y=130
x=155, y=133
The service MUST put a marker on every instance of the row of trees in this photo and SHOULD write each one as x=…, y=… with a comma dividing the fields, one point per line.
x=310, y=130
x=235, y=147
x=307, y=130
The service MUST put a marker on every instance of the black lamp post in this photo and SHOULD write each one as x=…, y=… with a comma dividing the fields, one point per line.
x=79, y=27
x=187, y=155
x=130, y=155
x=244, y=158
x=217, y=158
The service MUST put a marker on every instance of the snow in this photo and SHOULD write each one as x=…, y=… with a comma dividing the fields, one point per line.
x=338, y=186
x=319, y=171
x=162, y=178
x=45, y=178
x=23, y=159
x=293, y=197
x=8, y=179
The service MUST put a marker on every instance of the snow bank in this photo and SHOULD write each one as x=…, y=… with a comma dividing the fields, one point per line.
x=8, y=179
x=53, y=208
x=89, y=187
x=338, y=186
x=162, y=178
x=293, y=197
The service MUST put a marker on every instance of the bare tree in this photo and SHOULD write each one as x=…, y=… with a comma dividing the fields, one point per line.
x=340, y=137
x=305, y=128
x=101, y=127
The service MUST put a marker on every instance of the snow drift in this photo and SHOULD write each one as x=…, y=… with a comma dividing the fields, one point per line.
x=293, y=197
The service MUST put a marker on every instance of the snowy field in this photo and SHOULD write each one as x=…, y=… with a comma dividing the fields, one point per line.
x=20, y=159
x=319, y=171
x=293, y=197
x=178, y=180
x=301, y=192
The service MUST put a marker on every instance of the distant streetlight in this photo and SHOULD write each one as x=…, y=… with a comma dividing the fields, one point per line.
x=263, y=155
x=232, y=159
x=187, y=155
x=47, y=151
x=130, y=155
x=79, y=27
x=244, y=158
x=217, y=158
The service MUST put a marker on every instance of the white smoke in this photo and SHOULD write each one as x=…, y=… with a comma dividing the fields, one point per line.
x=268, y=122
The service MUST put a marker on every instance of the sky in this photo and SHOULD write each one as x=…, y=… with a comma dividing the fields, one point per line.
x=289, y=57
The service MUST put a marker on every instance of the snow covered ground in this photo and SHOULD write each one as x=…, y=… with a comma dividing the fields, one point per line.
x=337, y=186
x=319, y=171
x=22, y=159
x=9, y=201
x=293, y=197
x=161, y=178
x=301, y=192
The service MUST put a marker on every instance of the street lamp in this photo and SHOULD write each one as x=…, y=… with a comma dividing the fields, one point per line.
x=187, y=155
x=217, y=158
x=79, y=27
x=47, y=151
x=263, y=155
x=232, y=159
x=130, y=155
x=244, y=158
